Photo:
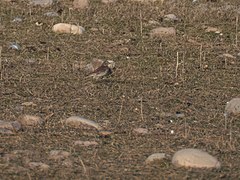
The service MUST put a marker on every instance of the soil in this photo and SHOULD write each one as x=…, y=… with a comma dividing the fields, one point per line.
x=153, y=77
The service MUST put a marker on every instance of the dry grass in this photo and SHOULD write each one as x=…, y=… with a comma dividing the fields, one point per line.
x=152, y=76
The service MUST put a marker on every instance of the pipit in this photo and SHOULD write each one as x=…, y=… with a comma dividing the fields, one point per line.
x=102, y=71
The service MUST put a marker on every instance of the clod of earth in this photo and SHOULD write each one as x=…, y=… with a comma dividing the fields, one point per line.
x=195, y=158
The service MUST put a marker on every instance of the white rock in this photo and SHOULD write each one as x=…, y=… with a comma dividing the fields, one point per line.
x=29, y=120
x=78, y=122
x=163, y=32
x=195, y=158
x=85, y=143
x=38, y=165
x=80, y=4
x=154, y=157
x=58, y=154
x=68, y=28
x=233, y=107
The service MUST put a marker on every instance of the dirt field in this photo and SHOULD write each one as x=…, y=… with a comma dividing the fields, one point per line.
x=145, y=84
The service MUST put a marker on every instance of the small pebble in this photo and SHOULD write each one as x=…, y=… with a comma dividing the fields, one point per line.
x=140, y=130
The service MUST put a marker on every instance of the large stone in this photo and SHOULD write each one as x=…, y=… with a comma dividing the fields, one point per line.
x=67, y=28
x=80, y=122
x=195, y=158
x=233, y=107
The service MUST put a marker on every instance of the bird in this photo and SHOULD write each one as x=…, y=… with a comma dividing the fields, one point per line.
x=102, y=71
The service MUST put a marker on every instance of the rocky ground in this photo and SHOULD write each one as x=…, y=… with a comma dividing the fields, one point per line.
x=163, y=111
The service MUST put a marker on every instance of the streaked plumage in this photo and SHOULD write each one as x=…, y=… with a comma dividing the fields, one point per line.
x=103, y=70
